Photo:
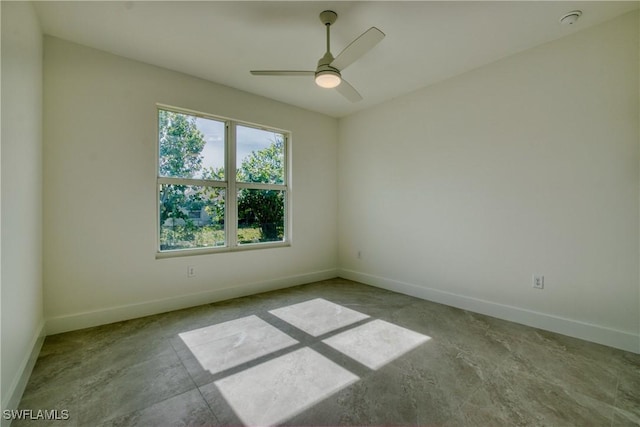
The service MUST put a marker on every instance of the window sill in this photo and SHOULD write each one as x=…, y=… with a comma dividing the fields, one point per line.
x=207, y=251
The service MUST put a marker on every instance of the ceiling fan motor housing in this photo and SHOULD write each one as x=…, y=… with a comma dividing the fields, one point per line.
x=326, y=59
x=325, y=67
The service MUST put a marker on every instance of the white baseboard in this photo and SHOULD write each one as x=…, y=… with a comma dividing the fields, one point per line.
x=59, y=324
x=12, y=399
x=586, y=331
x=577, y=329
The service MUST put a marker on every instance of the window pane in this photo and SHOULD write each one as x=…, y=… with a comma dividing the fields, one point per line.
x=191, y=217
x=190, y=146
x=260, y=216
x=260, y=155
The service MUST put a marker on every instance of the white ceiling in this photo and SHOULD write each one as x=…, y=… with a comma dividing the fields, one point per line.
x=426, y=41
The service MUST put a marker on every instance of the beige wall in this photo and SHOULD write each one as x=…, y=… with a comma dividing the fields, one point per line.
x=460, y=192
x=100, y=193
x=21, y=225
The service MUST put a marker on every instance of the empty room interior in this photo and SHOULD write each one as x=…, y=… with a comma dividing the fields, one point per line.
x=320, y=213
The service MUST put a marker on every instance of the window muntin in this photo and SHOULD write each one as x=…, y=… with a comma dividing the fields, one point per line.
x=202, y=210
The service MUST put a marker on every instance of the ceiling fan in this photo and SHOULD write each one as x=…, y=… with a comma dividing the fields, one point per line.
x=328, y=72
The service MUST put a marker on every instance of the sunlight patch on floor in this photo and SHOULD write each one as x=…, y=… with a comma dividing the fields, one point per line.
x=225, y=345
x=376, y=343
x=318, y=316
x=277, y=390
x=281, y=387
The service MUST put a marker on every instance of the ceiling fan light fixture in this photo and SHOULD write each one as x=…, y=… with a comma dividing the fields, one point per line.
x=328, y=79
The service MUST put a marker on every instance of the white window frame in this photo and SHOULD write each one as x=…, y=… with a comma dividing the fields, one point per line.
x=230, y=186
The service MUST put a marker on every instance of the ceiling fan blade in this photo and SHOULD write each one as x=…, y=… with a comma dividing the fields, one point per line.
x=282, y=73
x=357, y=48
x=348, y=91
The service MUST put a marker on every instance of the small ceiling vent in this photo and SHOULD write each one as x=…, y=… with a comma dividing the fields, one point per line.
x=571, y=17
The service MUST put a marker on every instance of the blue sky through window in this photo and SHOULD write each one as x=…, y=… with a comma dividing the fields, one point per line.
x=248, y=139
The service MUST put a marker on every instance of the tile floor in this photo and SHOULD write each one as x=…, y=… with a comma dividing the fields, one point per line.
x=330, y=353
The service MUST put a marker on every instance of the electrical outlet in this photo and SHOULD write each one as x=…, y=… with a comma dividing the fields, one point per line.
x=191, y=271
x=538, y=282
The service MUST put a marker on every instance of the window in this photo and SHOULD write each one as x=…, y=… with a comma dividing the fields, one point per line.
x=222, y=184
